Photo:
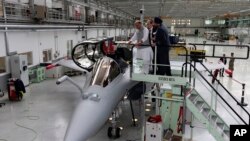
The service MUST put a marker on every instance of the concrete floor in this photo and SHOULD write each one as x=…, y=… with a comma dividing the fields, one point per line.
x=45, y=111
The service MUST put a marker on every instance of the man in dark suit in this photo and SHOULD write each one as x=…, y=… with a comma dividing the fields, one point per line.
x=151, y=39
x=224, y=61
x=163, y=47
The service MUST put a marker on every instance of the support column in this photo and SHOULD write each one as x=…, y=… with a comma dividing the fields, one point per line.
x=6, y=31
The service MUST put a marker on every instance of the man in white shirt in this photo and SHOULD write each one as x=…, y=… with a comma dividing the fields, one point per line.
x=142, y=44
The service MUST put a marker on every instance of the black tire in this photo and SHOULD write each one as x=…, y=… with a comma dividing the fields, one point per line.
x=110, y=132
x=118, y=132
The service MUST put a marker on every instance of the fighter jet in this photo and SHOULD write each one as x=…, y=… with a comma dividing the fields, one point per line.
x=108, y=82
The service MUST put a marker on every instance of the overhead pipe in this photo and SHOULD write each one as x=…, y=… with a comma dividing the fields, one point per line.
x=104, y=26
x=13, y=26
x=38, y=27
x=53, y=26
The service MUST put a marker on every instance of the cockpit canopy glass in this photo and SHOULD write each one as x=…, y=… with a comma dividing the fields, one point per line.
x=104, y=72
x=85, y=55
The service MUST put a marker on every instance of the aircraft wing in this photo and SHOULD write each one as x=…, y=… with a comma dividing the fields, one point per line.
x=70, y=64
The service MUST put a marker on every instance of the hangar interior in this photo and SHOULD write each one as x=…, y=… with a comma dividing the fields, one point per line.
x=81, y=81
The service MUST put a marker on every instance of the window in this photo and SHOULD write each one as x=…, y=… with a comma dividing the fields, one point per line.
x=47, y=55
x=2, y=65
x=105, y=71
x=208, y=22
x=29, y=57
x=221, y=21
x=181, y=22
x=173, y=22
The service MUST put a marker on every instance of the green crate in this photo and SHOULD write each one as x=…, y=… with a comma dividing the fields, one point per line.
x=31, y=71
x=42, y=73
x=37, y=74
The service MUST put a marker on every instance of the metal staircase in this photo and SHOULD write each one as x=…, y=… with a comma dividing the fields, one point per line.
x=217, y=127
x=204, y=113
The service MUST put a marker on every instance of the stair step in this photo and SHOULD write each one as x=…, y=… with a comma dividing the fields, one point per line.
x=199, y=103
x=220, y=125
x=205, y=111
x=210, y=116
x=214, y=118
x=227, y=132
x=193, y=97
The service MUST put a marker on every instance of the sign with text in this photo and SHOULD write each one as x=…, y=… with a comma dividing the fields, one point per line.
x=239, y=132
x=174, y=80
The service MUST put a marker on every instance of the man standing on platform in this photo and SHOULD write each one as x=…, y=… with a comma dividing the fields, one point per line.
x=163, y=47
x=144, y=50
x=151, y=38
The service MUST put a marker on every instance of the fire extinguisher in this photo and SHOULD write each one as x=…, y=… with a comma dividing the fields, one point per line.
x=12, y=93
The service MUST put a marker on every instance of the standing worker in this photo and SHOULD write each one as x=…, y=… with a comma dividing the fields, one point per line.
x=144, y=50
x=163, y=47
x=151, y=35
x=224, y=61
x=231, y=65
x=151, y=38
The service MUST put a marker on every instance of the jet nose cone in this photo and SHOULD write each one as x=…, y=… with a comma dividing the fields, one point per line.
x=87, y=120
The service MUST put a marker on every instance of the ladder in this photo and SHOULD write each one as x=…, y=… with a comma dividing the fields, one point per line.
x=204, y=113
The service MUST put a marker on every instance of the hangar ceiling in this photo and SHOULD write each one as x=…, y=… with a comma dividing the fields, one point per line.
x=181, y=8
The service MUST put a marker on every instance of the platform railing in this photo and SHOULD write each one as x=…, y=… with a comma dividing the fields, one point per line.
x=216, y=46
x=16, y=11
x=155, y=59
x=218, y=93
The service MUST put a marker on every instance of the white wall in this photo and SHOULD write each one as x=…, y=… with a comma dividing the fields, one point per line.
x=57, y=4
x=24, y=42
x=100, y=32
x=2, y=45
x=49, y=3
x=91, y=33
x=117, y=32
x=39, y=2
x=18, y=1
x=39, y=41
x=111, y=32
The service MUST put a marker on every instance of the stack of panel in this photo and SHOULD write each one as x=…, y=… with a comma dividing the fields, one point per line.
x=37, y=74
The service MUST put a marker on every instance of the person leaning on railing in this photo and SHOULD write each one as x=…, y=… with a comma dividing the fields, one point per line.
x=144, y=50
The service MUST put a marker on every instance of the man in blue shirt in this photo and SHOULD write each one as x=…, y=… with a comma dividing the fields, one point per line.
x=163, y=47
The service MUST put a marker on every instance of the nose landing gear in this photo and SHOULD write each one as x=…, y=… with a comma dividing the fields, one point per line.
x=114, y=132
